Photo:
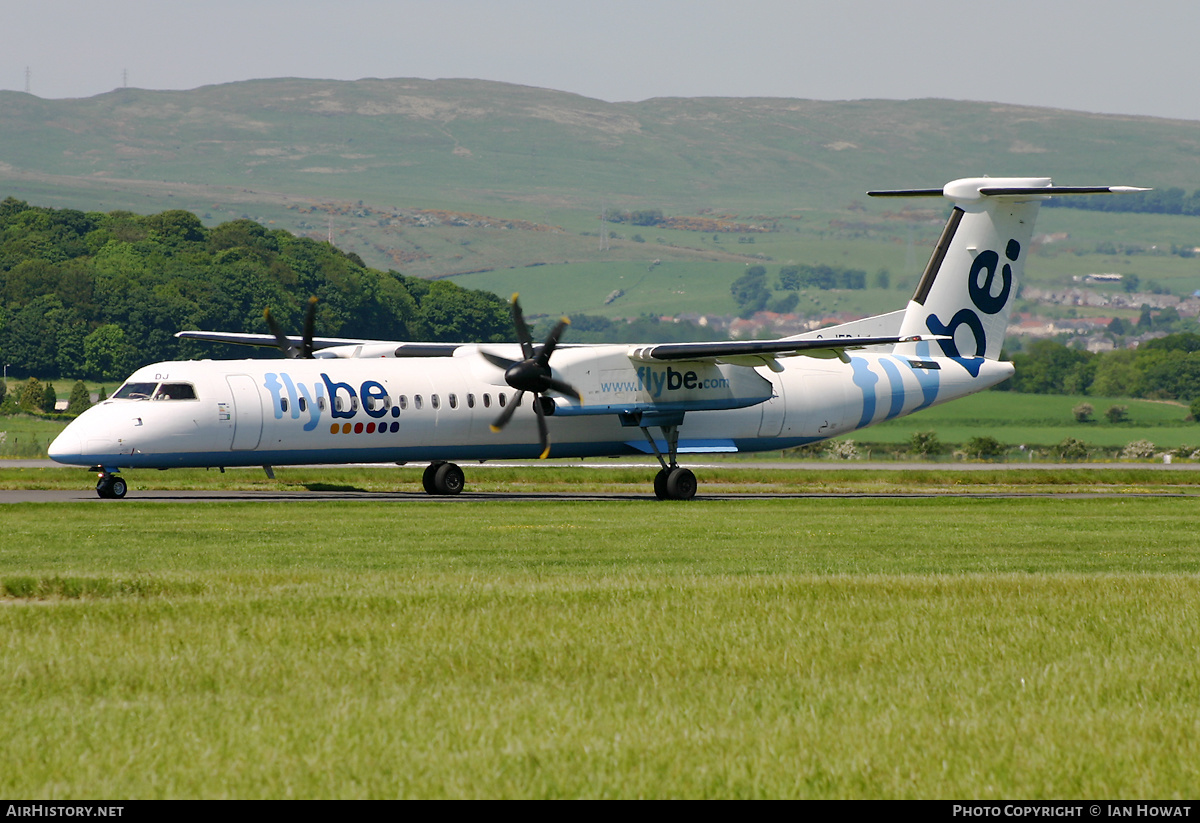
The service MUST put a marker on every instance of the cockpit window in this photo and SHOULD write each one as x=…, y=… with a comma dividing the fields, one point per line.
x=135, y=391
x=175, y=391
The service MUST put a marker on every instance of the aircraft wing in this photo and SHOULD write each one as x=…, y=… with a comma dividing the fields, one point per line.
x=347, y=347
x=267, y=340
x=764, y=352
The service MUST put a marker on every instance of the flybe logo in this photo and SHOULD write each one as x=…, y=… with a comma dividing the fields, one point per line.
x=989, y=292
x=301, y=400
x=656, y=381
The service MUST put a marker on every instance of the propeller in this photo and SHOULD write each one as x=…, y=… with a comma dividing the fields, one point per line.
x=531, y=374
x=305, y=350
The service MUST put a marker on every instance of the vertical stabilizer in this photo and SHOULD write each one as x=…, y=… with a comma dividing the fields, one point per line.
x=970, y=284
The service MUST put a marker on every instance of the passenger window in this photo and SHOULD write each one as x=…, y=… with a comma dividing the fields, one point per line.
x=303, y=405
x=321, y=403
x=433, y=401
x=500, y=397
x=283, y=403
x=487, y=401
x=403, y=402
x=453, y=401
x=416, y=401
x=470, y=401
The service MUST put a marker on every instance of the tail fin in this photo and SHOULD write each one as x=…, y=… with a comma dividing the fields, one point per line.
x=970, y=284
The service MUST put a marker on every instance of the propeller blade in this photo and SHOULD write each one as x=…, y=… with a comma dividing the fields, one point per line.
x=310, y=322
x=498, y=361
x=285, y=345
x=543, y=435
x=543, y=355
x=507, y=414
x=563, y=388
x=523, y=336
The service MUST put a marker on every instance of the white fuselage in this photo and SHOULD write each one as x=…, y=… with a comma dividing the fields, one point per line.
x=345, y=410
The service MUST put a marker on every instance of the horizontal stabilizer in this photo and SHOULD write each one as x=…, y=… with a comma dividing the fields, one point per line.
x=976, y=188
x=1059, y=190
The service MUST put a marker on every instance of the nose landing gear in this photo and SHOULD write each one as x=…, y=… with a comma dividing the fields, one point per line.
x=111, y=486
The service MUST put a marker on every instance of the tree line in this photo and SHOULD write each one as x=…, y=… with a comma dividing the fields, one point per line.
x=94, y=295
x=1167, y=368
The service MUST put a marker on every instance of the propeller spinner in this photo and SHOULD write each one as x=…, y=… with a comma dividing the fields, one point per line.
x=532, y=374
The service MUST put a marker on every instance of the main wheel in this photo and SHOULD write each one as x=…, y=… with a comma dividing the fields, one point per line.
x=427, y=478
x=681, y=484
x=118, y=488
x=448, y=479
x=660, y=484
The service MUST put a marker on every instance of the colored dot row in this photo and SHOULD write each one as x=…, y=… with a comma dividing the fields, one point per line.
x=361, y=428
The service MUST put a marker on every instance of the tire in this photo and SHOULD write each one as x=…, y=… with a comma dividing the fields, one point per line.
x=660, y=484
x=427, y=482
x=681, y=484
x=449, y=479
x=111, y=487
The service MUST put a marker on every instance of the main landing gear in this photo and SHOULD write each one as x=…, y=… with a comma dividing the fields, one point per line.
x=443, y=479
x=111, y=486
x=673, y=482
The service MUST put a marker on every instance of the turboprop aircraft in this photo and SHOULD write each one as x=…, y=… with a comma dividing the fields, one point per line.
x=352, y=401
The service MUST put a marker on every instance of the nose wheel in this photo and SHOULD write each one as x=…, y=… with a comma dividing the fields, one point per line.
x=111, y=486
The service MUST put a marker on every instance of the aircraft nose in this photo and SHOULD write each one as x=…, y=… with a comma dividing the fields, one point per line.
x=65, y=447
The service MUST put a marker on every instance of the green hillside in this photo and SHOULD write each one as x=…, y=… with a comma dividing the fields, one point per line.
x=453, y=177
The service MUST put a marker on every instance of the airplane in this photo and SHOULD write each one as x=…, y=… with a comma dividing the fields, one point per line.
x=336, y=400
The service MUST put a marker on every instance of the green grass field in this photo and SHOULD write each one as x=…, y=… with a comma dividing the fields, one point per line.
x=1035, y=648
x=1042, y=420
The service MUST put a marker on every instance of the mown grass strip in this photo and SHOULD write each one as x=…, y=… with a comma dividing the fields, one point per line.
x=1036, y=648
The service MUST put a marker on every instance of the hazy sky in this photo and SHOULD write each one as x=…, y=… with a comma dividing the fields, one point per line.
x=1121, y=57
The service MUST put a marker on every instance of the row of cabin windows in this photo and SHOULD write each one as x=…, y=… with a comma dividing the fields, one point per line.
x=185, y=391
x=377, y=403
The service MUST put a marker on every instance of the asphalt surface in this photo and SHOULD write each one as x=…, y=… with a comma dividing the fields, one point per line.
x=159, y=496
x=824, y=465
x=88, y=494
x=413, y=495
